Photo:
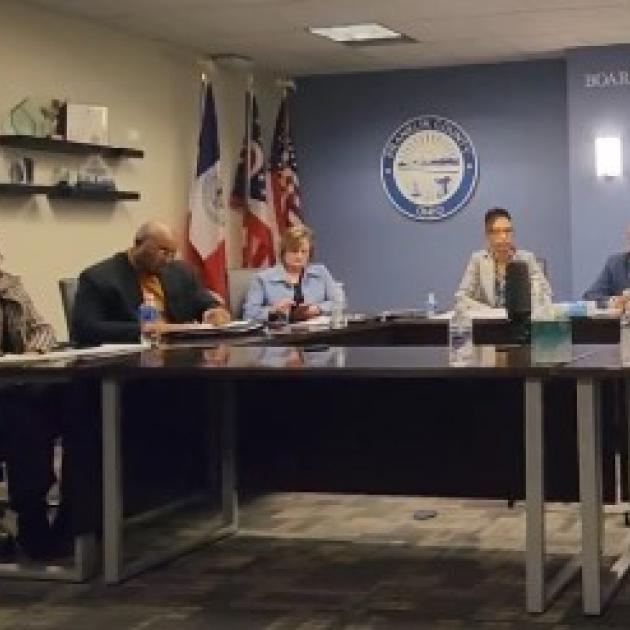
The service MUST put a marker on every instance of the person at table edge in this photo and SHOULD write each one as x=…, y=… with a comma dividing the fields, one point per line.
x=483, y=283
x=608, y=289
x=110, y=292
x=294, y=288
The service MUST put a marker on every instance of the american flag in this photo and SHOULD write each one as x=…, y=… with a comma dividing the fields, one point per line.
x=206, y=226
x=250, y=195
x=285, y=185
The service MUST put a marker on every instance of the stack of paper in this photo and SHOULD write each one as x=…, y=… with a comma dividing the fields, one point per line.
x=107, y=349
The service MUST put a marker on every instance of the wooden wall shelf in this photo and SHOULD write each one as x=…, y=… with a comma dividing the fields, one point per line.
x=91, y=194
x=14, y=190
x=35, y=143
x=68, y=192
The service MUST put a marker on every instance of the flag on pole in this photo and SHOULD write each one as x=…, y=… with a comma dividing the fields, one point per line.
x=206, y=227
x=285, y=186
x=250, y=195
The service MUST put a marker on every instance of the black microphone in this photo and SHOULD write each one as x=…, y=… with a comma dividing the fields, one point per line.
x=518, y=295
x=518, y=299
x=298, y=299
x=298, y=294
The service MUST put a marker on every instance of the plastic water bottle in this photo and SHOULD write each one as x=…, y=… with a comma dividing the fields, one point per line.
x=338, y=312
x=147, y=314
x=540, y=302
x=624, y=336
x=430, y=306
x=460, y=336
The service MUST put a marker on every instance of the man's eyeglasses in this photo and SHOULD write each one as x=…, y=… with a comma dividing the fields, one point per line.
x=501, y=231
x=166, y=253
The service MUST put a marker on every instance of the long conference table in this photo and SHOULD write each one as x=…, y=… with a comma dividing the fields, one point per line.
x=308, y=356
x=465, y=451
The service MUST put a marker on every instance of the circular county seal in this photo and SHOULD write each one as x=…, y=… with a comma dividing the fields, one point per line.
x=429, y=168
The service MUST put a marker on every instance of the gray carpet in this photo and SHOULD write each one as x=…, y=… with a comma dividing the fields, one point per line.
x=315, y=562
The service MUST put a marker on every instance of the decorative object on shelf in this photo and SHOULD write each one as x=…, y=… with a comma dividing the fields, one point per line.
x=94, y=182
x=21, y=171
x=95, y=174
x=29, y=169
x=24, y=118
x=55, y=119
x=86, y=123
x=61, y=176
x=16, y=172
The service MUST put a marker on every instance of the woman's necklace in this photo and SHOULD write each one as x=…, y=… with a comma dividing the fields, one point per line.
x=293, y=278
x=500, y=269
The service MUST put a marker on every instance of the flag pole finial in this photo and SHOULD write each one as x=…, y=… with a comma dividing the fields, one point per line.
x=207, y=67
x=286, y=84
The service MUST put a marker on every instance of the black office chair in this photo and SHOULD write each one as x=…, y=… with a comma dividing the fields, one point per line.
x=68, y=290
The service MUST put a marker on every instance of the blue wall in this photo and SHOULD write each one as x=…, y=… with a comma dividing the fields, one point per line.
x=600, y=208
x=515, y=115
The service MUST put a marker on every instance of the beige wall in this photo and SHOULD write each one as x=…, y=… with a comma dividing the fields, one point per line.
x=152, y=91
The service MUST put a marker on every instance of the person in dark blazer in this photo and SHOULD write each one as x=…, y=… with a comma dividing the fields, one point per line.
x=608, y=289
x=105, y=310
x=110, y=292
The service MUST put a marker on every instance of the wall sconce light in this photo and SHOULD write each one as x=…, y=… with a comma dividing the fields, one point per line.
x=608, y=156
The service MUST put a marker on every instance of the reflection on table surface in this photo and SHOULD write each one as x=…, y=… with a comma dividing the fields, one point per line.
x=320, y=356
x=506, y=360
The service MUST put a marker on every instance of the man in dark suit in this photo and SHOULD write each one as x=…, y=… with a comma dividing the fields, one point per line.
x=110, y=292
x=105, y=310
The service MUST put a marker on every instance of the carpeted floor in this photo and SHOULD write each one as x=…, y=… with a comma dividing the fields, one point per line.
x=319, y=562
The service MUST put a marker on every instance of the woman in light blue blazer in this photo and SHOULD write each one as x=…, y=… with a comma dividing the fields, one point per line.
x=294, y=288
x=483, y=283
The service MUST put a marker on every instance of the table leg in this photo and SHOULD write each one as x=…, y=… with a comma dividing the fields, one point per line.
x=112, y=483
x=229, y=493
x=534, y=498
x=590, y=460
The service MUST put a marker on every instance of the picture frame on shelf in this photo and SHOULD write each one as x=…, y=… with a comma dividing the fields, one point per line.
x=87, y=123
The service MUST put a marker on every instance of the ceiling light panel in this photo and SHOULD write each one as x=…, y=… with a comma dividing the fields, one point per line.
x=356, y=32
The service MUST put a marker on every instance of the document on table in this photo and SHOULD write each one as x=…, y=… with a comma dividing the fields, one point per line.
x=108, y=349
x=192, y=330
x=403, y=313
x=321, y=322
x=315, y=322
x=477, y=313
x=604, y=313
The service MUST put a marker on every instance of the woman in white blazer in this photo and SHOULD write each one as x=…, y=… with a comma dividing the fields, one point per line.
x=483, y=283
